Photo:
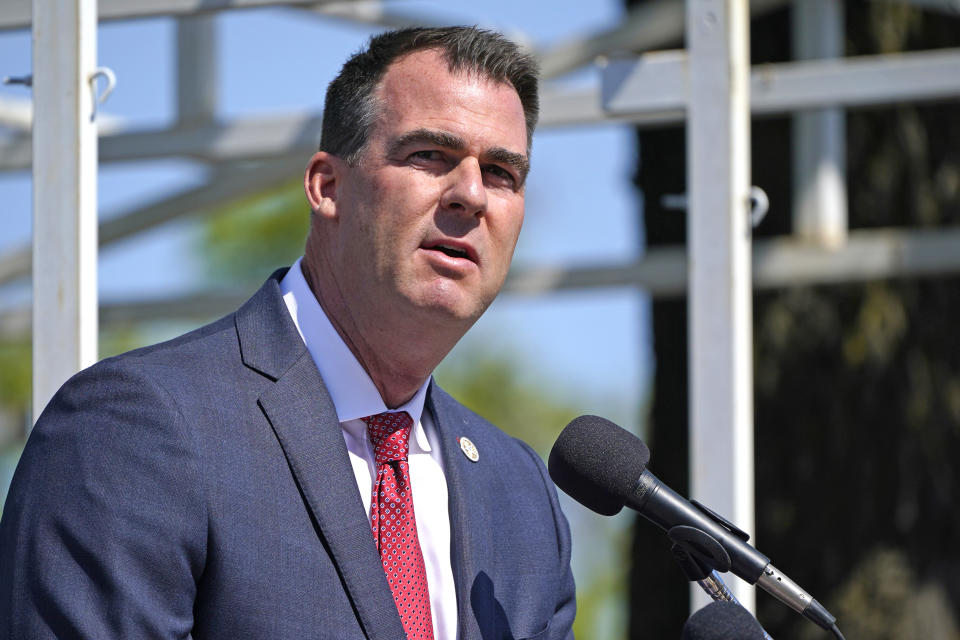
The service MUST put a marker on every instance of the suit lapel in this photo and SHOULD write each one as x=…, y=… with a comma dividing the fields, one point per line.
x=468, y=506
x=302, y=415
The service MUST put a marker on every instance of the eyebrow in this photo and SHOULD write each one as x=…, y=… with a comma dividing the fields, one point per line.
x=518, y=161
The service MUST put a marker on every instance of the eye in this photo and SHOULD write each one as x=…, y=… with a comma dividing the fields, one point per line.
x=500, y=176
x=429, y=155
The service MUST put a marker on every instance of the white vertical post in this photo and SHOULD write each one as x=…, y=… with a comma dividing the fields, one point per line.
x=718, y=237
x=196, y=69
x=64, y=194
x=819, y=135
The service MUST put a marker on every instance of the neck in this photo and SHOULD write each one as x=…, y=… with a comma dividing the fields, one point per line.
x=398, y=358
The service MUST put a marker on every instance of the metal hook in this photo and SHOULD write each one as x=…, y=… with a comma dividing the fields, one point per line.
x=111, y=77
x=759, y=205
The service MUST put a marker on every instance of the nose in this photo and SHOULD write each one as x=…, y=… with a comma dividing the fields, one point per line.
x=465, y=192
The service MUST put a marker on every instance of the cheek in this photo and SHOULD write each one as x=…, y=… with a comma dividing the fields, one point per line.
x=504, y=235
x=506, y=230
x=517, y=225
x=375, y=220
x=400, y=209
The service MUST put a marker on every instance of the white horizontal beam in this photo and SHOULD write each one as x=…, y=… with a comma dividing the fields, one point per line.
x=16, y=13
x=267, y=136
x=375, y=12
x=653, y=82
x=200, y=307
x=230, y=183
x=246, y=138
x=242, y=139
x=856, y=81
x=16, y=113
x=15, y=263
x=662, y=271
x=17, y=153
x=657, y=83
x=869, y=255
x=564, y=108
x=648, y=91
x=648, y=26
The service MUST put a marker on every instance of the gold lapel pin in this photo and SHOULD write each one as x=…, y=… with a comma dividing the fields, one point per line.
x=469, y=449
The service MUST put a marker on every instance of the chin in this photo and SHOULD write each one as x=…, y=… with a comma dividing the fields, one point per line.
x=452, y=303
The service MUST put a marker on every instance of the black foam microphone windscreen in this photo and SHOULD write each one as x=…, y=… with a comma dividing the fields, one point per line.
x=722, y=621
x=597, y=463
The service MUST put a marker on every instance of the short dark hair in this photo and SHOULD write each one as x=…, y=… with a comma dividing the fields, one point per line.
x=351, y=109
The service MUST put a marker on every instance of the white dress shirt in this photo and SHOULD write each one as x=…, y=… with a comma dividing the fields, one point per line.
x=355, y=397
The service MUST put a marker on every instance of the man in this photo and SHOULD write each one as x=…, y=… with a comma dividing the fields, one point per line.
x=226, y=484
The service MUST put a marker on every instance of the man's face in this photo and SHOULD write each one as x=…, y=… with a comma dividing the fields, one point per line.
x=428, y=219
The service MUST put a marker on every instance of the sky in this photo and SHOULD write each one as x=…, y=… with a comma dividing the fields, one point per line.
x=591, y=346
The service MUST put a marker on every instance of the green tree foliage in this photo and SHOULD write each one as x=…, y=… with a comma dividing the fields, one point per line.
x=884, y=599
x=245, y=240
x=490, y=384
x=15, y=372
x=16, y=367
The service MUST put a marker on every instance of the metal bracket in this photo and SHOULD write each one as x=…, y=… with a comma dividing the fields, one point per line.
x=111, y=77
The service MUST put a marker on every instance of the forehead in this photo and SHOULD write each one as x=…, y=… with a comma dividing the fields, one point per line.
x=419, y=91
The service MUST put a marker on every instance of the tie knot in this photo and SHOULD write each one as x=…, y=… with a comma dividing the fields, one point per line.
x=389, y=432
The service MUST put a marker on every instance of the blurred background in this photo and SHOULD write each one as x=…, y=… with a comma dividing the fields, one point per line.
x=857, y=375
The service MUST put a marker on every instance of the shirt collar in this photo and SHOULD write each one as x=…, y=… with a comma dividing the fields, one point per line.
x=353, y=393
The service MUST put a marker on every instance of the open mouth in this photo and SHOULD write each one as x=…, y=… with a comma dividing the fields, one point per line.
x=452, y=249
x=453, y=252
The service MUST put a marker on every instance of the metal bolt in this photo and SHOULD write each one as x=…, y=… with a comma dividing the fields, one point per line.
x=26, y=81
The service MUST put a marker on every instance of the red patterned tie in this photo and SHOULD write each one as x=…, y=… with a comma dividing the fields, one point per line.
x=394, y=524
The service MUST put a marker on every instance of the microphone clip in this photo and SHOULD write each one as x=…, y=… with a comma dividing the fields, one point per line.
x=697, y=552
x=723, y=522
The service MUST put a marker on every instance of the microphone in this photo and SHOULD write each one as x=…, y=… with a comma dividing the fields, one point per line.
x=603, y=467
x=723, y=621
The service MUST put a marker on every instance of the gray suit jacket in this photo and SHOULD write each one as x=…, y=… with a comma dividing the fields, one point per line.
x=201, y=487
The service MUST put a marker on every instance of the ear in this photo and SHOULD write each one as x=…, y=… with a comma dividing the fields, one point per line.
x=321, y=181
